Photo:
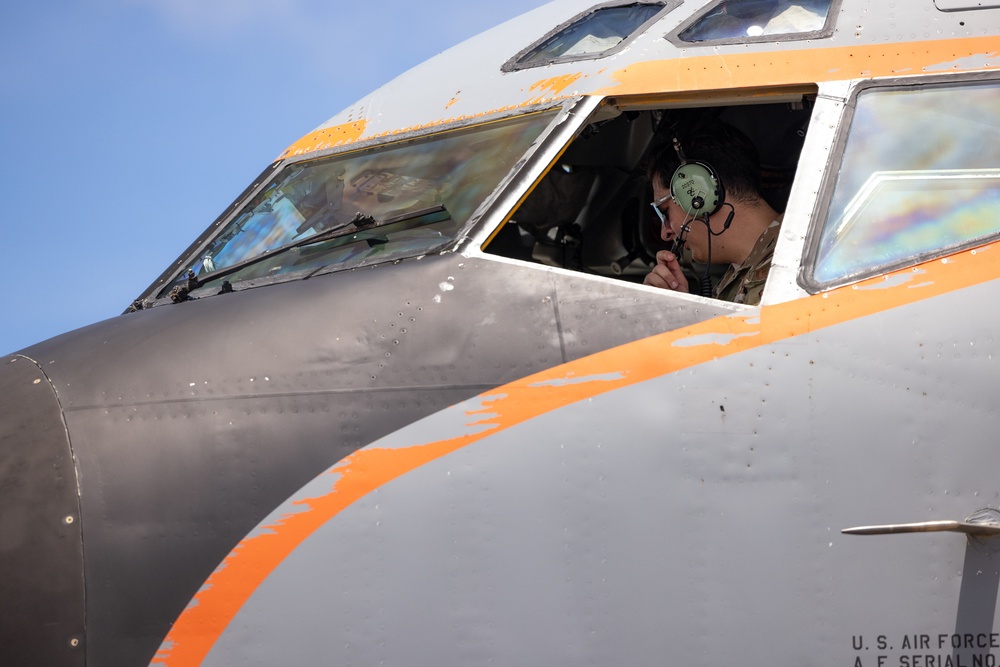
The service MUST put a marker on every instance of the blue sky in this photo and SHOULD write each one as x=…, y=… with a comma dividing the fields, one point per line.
x=127, y=126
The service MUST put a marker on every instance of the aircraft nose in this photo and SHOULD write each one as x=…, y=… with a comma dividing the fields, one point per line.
x=41, y=544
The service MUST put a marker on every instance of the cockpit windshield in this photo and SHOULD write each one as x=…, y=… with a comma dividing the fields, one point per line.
x=400, y=200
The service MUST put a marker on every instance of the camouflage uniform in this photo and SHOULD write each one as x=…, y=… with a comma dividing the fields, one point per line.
x=744, y=283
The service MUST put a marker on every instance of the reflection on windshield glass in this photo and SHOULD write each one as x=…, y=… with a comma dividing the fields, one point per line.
x=595, y=33
x=919, y=174
x=736, y=19
x=366, y=192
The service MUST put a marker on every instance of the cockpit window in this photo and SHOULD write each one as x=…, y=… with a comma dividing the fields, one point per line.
x=733, y=20
x=920, y=177
x=591, y=213
x=400, y=200
x=595, y=33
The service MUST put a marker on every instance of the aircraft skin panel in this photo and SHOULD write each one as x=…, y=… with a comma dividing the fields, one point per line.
x=768, y=394
x=460, y=84
x=42, y=618
x=677, y=75
x=537, y=531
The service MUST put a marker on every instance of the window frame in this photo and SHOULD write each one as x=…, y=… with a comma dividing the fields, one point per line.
x=821, y=208
x=514, y=64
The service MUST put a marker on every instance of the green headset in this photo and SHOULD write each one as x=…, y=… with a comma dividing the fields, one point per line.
x=696, y=187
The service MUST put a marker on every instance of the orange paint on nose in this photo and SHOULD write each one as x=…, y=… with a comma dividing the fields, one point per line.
x=254, y=558
x=327, y=137
x=556, y=85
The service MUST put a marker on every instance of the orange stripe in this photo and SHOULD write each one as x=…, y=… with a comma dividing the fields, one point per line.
x=246, y=567
x=789, y=67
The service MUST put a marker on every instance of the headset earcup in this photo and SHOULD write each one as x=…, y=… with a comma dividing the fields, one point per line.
x=697, y=189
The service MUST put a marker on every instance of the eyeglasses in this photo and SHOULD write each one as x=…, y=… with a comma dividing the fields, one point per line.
x=656, y=209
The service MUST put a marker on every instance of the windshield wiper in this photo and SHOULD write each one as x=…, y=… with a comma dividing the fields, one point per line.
x=361, y=222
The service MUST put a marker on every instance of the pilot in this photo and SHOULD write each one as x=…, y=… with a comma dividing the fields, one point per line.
x=723, y=219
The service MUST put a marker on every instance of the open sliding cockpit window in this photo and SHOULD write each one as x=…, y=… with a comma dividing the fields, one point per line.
x=591, y=210
x=919, y=178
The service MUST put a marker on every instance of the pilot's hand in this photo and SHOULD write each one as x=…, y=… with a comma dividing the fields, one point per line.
x=667, y=273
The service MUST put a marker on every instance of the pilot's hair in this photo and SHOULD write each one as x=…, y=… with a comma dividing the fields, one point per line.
x=722, y=147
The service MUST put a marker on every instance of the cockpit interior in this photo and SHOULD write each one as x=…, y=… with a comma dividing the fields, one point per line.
x=591, y=213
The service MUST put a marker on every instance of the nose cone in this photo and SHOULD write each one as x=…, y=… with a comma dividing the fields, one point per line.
x=41, y=548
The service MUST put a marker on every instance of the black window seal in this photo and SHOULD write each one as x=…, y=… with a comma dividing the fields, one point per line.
x=821, y=209
x=514, y=64
x=826, y=31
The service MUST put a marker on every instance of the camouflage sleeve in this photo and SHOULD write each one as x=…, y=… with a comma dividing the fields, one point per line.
x=729, y=287
x=745, y=283
x=752, y=285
